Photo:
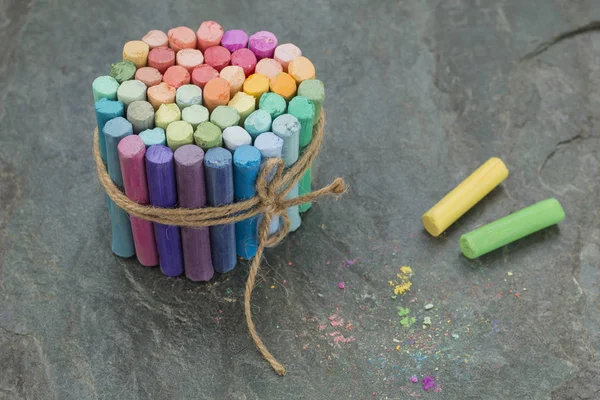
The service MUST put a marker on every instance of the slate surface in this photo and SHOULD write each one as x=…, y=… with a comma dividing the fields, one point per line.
x=419, y=94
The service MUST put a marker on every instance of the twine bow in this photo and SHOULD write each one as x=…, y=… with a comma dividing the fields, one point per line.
x=270, y=200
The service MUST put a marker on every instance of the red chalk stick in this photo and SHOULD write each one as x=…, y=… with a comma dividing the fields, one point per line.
x=161, y=58
x=246, y=59
x=176, y=76
x=131, y=156
x=202, y=74
x=218, y=57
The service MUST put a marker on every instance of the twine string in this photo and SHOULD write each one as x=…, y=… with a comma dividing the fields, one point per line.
x=270, y=200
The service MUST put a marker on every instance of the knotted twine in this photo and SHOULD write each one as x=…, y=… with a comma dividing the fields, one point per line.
x=270, y=200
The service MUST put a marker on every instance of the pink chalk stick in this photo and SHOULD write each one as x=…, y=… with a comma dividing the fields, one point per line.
x=131, y=157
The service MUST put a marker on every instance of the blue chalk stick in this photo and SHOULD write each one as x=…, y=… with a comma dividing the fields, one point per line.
x=218, y=171
x=153, y=136
x=122, y=238
x=246, y=164
x=105, y=111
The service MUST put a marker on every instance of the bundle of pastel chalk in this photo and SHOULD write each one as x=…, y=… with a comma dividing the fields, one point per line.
x=186, y=119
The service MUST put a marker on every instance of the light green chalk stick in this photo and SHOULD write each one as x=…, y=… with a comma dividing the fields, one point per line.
x=195, y=114
x=512, y=227
x=122, y=71
x=179, y=133
x=105, y=87
x=225, y=116
x=314, y=90
x=208, y=135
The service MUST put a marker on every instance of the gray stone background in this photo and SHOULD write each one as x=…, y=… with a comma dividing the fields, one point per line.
x=419, y=93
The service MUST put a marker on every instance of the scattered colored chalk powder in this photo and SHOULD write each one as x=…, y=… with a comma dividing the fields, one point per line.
x=341, y=285
x=407, y=321
x=414, y=379
x=403, y=284
x=403, y=311
x=428, y=383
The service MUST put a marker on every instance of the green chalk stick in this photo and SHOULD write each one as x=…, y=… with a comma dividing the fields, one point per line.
x=314, y=90
x=195, y=114
x=105, y=87
x=179, y=133
x=272, y=103
x=303, y=109
x=225, y=116
x=305, y=187
x=122, y=71
x=512, y=227
x=208, y=135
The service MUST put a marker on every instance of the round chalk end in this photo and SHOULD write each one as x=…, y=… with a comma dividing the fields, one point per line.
x=272, y=103
x=234, y=39
x=217, y=158
x=208, y=135
x=188, y=95
x=136, y=51
x=245, y=59
x=467, y=248
x=301, y=69
x=153, y=136
x=203, y=74
x=122, y=71
x=149, y=76
x=105, y=87
x=195, y=115
x=209, y=34
x=176, y=76
x=160, y=94
x=258, y=122
x=268, y=67
x=189, y=155
x=179, y=133
x=225, y=116
x=161, y=58
x=217, y=56
x=263, y=44
x=189, y=59
x=131, y=146
x=246, y=156
x=430, y=225
x=159, y=154
x=181, y=38
x=285, y=53
x=156, y=38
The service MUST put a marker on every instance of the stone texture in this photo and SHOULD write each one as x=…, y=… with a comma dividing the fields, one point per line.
x=422, y=92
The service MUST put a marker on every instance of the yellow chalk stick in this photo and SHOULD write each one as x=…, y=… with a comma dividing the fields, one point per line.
x=136, y=51
x=464, y=196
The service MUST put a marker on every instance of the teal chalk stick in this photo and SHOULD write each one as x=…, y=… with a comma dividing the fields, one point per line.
x=105, y=87
x=153, y=136
x=122, y=237
x=272, y=103
x=304, y=109
x=512, y=227
x=105, y=111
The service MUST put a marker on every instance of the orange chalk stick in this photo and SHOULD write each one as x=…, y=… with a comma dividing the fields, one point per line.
x=235, y=76
x=256, y=85
x=301, y=69
x=216, y=93
x=284, y=85
x=181, y=38
x=136, y=51
x=176, y=76
x=162, y=93
x=209, y=34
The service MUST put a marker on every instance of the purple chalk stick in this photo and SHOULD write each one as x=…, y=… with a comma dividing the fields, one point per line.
x=263, y=44
x=189, y=170
x=234, y=39
x=161, y=188
x=218, y=169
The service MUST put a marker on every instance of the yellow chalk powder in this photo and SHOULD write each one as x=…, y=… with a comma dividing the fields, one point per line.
x=403, y=284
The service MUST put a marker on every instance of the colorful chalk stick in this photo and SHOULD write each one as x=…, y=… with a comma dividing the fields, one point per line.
x=105, y=87
x=105, y=111
x=284, y=85
x=234, y=137
x=191, y=192
x=304, y=109
x=217, y=57
x=218, y=170
x=314, y=90
x=285, y=53
x=181, y=38
x=270, y=146
x=179, y=133
x=122, y=237
x=256, y=85
x=263, y=44
x=208, y=135
x=189, y=59
x=511, y=228
x=160, y=173
x=161, y=94
x=235, y=76
x=209, y=34
x=272, y=103
x=156, y=38
x=203, y=74
x=122, y=71
x=258, y=122
x=161, y=58
x=166, y=114
x=268, y=67
x=245, y=59
x=301, y=69
x=246, y=165
x=176, y=76
x=225, y=116
x=153, y=136
x=141, y=115
x=131, y=151
x=234, y=39
x=188, y=95
x=136, y=51
x=131, y=91
x=216, y=93
x=149, y=76
x=468, y=193
x=195, y=115
x=244, y=104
